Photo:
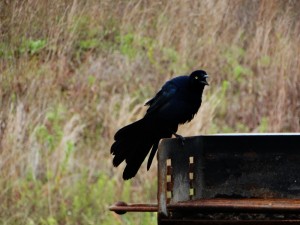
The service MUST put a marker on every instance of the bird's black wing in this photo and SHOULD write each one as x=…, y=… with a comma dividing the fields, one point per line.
x=160, y=100
x=162, y=97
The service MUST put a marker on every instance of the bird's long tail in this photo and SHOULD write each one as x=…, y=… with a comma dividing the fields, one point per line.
x=132, y=144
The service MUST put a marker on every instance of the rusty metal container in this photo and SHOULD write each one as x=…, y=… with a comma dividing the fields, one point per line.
x=228, y=179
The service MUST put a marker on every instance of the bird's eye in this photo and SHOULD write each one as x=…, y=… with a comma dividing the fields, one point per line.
x=196, y=78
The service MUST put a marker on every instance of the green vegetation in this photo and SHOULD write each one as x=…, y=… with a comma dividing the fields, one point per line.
x=73, y=72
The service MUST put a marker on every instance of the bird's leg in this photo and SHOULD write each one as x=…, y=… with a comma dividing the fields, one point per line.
x=182, y=139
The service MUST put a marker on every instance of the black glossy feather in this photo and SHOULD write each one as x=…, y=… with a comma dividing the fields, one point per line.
x=177, y=102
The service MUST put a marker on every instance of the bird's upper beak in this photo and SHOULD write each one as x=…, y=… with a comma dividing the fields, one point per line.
x=204, y=81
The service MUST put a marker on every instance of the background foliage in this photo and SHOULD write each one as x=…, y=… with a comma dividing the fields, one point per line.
x=72, y=72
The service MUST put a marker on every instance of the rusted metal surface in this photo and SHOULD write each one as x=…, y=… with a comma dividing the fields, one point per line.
x=227, y=179
x=231, y=167
x=122, y=208
x=238, y=205
x=228, y=222
x=170, y=167
x=230, y=174
x=216, y=205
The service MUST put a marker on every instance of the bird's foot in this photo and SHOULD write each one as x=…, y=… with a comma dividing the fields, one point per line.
x=182, y=139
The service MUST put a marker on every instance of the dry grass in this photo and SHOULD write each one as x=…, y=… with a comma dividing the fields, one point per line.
x=72, y=72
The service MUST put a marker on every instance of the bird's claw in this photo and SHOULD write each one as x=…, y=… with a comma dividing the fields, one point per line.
x=182, y=139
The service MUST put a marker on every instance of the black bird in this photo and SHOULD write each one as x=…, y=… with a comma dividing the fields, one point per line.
x=176, y=103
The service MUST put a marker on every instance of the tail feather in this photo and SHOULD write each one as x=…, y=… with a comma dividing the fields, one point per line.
x=132, y=144
x=136, y=158
x=130, y=130
x=152, y=154
x=122, y=149
x=118, y=152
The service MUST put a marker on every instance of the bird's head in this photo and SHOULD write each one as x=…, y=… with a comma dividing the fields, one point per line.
x=199, y=77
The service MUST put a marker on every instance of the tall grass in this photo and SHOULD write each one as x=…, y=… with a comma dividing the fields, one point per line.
x=72, y=72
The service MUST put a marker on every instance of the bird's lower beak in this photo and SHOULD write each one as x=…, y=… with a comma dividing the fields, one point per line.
x=204, y=81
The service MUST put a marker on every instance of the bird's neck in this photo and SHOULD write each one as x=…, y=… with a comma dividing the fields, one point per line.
x=198, y=89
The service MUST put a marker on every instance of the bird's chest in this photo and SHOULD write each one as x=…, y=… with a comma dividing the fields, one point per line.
x=188, y=109
x=190, y=101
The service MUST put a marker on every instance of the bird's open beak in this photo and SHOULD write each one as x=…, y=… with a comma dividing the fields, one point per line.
x=204, y=81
